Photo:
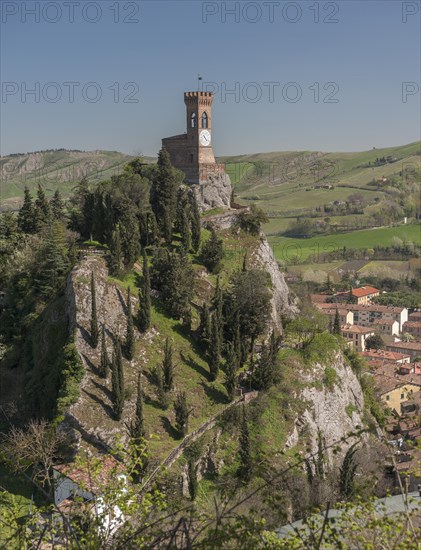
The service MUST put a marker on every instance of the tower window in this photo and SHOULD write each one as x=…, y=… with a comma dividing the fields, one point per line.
x=204, y=120
x=191, y=158
x=193, y=120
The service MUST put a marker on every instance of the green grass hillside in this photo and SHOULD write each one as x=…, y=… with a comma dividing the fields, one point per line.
x=283, y=183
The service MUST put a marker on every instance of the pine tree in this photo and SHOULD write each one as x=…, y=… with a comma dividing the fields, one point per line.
x=244, y=452
x=115, y=252
x=195, y=223
x=26, y=216
x=117, y=381
x=57, y=205
x=215, y=348
x=52, y=262
x=130, y=343
x=94, y=319
x=231, y=367
x=182, y=413
x=105, y=363
x=144, y=313
x=337, y=323
x=168, y=367
x=42, y=209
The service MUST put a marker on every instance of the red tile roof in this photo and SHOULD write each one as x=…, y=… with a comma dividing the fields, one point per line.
x=364, y=291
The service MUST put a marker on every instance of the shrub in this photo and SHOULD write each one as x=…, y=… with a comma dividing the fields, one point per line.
x=330, y=377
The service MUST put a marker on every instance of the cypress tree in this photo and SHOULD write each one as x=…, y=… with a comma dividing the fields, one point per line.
x=144, y=313
x=115, y=252
x=244, y=268
x=195, y=222
x=231, y=366
x=192, y=478
x=215, y=348
x=347, y=473
x=137, y=428
x=205, y=326
x=164, y=195
x=105, y=363
x=182, y=413
x=237, y=340
x=218, y=304
x=130, y=343
x=117, y=381
x=57, y=205
x=168, y=367
x=26, y=216
x=185, y=229
x=94, y=319
x=138, y=435
x=212, y=252
x=263, y=374
x=244, y=452
x=337, y=323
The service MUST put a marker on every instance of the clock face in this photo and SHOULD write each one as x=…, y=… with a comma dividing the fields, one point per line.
x=205, y=138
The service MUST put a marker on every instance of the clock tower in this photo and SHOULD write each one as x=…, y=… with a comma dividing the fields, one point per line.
x=192, y=152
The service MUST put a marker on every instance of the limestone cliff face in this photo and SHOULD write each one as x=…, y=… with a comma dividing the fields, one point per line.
x=214, y=193
x=334, y=412
x=281, y=299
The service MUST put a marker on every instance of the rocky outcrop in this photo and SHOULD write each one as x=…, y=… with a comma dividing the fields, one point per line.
x=333, y=412
x=214, y=193
x=281, y=301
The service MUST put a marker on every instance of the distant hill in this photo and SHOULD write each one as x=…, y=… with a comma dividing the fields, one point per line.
x=54, y=169
x=288, y=184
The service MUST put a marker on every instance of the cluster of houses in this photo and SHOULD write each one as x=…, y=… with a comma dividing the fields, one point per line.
x=396, y=368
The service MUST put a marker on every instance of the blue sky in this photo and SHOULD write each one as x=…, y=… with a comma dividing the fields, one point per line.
x=337, y=83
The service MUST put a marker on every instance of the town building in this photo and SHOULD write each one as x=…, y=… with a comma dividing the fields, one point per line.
x=356, y=336
x=389, y=356
x=386, y=327
x=361, y=295
x=413, y=349
x=413, y=328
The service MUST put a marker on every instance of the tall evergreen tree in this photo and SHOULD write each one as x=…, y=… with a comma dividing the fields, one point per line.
x=192, y=478
x=42, y=209
x=115, y=252
x=185, y=230
x=168, y=367
x=205, y=326
x=138, y=435
x=182, y=413
x=57, y=205
x=244, y=452
x=195, y=222
x=231, y=366
x=26, y=216
x=94, y=318
x=130, y=343
x=215, y=347
x=237, y=348
x=105, y=362
x=164, y=195
x=347, y=473
x=263, y=374
x=117, y=381
x=337, y=323
x=212, y=252
x=52, y=262
x=218, y=305
x=144, y=313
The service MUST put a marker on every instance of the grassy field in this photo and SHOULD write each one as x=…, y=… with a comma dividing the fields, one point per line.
x=282, y=183
x=289, y=250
